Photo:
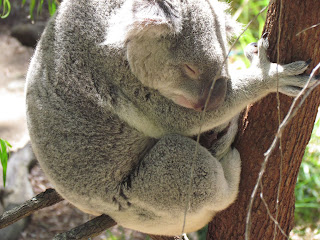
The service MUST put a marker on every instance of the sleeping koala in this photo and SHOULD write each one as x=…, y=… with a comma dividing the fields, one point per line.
x=115, y=95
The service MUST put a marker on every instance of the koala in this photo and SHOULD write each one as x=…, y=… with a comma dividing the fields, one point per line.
x=116, y=92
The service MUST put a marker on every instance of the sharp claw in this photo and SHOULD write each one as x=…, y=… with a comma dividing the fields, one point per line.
x=253, y=44
x=265, y=35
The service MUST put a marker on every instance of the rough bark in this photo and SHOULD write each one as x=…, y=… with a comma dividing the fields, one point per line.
x=88, y=230
x=259, y=124
x=163, y=238
x=42, y=200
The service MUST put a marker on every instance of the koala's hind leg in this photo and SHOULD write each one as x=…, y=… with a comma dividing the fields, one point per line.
x=157, y=191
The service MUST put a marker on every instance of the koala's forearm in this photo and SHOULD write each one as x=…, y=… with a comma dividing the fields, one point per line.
x=245, y=87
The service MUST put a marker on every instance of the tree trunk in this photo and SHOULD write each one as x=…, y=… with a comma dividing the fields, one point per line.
x=258, y=127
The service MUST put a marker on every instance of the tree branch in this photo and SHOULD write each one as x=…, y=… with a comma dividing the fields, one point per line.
x=95, y=227
x=42, y=200
x=89, y=229
x=50, y=197
x=164, y=238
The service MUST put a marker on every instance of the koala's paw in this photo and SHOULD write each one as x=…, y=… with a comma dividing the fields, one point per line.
x=290, y=80
x=231, y=164
x=257, y=52
x=263, y=43
x=295, y=68
x=251, y=50
x=121, y=200
x=284, y=76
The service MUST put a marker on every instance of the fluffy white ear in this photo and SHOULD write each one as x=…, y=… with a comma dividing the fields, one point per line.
x=233, y=27
x=138, y=18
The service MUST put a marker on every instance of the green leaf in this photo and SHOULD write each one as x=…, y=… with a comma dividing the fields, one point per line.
x=307, y=205
x=52, y=7
x=6, y=8
x=4, y=145
x=32, y=7
x=39, y=8
x=7, y=143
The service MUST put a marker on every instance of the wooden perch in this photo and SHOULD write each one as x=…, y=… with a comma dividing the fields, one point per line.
x=184, y=237
x=42, y=200
x=95, y=227
x=89, y=229
x=50, y=197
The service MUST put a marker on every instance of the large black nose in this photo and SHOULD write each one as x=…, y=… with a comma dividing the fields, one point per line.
x=218, y=94
x=199, y=108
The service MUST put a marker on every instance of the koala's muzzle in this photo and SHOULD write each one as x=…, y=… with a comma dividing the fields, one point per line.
x=216, y=96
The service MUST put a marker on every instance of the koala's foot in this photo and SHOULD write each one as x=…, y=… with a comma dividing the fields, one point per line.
x=231, y=164
x=290, y=80
x=221, y=147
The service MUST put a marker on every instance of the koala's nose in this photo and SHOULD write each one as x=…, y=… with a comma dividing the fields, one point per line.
x=218, y=94
x=199, y=107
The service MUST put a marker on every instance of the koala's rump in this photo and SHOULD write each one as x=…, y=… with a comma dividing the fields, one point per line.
x=77, y=152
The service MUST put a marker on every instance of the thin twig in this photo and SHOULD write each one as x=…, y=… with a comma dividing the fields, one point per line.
x=42, y=200
x=269, y=213
x=279, y=123
x=306, y=29
x=204, y=112
x=154, y=237
x=237, y=14
x=304, y=94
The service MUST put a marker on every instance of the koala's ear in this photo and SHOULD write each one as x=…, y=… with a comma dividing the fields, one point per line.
x=137, y=18
x=233, y=28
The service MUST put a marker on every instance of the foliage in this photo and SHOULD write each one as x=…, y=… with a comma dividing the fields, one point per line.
x=4, y=149
x=6, y=8
x=35, y=6
x=307, y=190
x=110, y=236
x=202, y=233
x=244, y=11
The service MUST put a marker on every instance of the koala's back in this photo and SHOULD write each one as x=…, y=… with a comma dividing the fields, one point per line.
x=73, y=133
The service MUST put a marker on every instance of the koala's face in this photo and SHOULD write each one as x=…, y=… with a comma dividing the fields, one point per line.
x=179, y=48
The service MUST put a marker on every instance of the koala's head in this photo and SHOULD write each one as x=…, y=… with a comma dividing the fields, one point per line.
x=177, y=47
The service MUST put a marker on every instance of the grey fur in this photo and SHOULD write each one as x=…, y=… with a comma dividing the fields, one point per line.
x=114, y=96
